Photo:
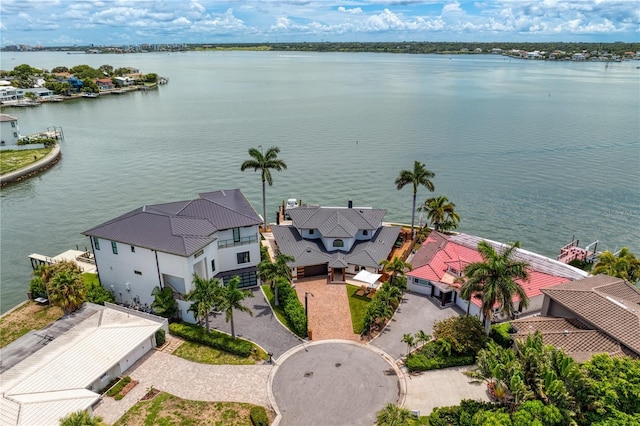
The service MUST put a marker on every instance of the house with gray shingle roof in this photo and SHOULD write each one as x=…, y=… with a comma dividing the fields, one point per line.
x=335, y=240
x=163, y=245
x=598, y=314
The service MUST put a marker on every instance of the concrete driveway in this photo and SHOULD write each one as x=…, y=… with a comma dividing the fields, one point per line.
x=334, y=383
x=441, y=388
x=416, y=312
x=262, y=328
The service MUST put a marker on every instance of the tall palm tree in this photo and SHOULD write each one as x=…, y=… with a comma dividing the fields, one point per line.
x=441, y=212
x=205, y=296
x=396, y=266
x=231, y=298
x=264, y=162
x=496, y=276
x=66, y=289
x=467, y=290
x=420, y=176
x=270, y=271
x=625, y=265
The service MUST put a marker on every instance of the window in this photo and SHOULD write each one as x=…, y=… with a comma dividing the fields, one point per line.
x=133, y=249
x=137, y=272
x=96, y=243
x=236, y=235
x=114, y=247
x=243, y=257
x=365, y=232
x=13, y=124
x=338, y=243
x=311, y=231
x=415, y=280
x=198, y=253
x=15, y=134
x=213, y=264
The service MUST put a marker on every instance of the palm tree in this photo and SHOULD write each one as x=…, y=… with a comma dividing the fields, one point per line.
x=625, y=265
x=467, y=290
x=264, y=162
x=421, y=337
x=81, y=418
x=410, y=340
x=67, y=290
x=441, y=212
x=396, y=266
x=163, y=303
x=420, y=176
x=271, y=271
x=496, y=275
x=393, y=415
x=231, y=298
x=205, y=296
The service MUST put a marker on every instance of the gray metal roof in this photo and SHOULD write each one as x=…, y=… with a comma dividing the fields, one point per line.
x=313, y=252
x=181, y=227
x=336, y=222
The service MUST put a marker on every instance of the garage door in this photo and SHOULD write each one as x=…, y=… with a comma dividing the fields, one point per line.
x=310, y=271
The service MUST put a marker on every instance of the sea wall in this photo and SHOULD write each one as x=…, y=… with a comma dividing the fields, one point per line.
x=33, y=169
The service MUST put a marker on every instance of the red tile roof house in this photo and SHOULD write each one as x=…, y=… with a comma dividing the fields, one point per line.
x=104, y=83
x=598, y=314
x=442, y=258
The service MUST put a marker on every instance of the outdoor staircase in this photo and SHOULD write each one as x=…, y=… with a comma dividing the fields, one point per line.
x=172, y=344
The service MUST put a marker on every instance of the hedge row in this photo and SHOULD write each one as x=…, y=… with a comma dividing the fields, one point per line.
x=420, y=362
x=214, y=339
x=293, y=309
x=115, y=389
x=259, y=416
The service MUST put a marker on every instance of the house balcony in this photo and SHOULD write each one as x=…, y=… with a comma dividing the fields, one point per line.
x=243, y=241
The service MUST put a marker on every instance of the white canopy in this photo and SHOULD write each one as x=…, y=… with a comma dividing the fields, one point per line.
x=367, y=277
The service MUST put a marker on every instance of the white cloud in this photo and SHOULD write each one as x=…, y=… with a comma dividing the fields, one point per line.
x=355, y=10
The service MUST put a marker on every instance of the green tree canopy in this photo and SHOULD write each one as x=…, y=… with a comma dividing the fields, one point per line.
x=205, y=296
x=271, y=271
x=625, y=265
x=163, y=303
x=417, y=177
x=441, y=213
x=85, y=71
x=231, y=298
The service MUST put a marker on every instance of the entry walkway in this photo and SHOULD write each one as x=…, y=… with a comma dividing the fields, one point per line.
x=329, y=314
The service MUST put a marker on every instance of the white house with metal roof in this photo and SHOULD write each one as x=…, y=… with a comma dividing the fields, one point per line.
x=335, y=240
x=9, y=130
x=162, y=245
x=67, y=373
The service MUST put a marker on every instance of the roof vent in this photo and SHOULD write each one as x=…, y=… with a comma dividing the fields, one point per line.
x=308, y=249
x=566, y=332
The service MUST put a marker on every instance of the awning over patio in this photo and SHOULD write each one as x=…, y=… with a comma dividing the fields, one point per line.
x=367, y=277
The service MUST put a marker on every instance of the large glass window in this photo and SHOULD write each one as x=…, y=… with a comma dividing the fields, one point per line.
x=114, y=247
x=236, y=235
x=338, y=243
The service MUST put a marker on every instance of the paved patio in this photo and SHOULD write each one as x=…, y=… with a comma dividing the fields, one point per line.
x=329, y=314
x=190, y=380
x=416, y=312
x=441, y=388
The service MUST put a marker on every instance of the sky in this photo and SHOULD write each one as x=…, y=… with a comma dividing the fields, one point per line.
x=127, y=22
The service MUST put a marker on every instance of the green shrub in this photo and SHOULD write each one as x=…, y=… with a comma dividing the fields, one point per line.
x=421, y=362
x=160, y=337
x=115, y=390
x=293, y=309
x=500, y=334
x=37, y=288
x=259, y=416
x=95, y=292
x=458, y=414
x=466, y=334
x=214, y=339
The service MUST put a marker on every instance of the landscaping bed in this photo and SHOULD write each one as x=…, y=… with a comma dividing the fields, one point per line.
x=207, y=355
x=167, y=409
x=357, y=307
x=121, y=388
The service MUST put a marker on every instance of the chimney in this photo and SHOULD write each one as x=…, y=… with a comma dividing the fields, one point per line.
x=350, y=204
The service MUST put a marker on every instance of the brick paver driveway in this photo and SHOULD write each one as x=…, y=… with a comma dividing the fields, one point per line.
x=416, y=312
x=329, y=314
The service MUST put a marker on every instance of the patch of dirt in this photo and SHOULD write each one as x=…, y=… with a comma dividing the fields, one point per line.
x=150, y=394
x=127, y=388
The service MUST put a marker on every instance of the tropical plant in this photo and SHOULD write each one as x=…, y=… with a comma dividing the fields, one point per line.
x=66, y=290
x=410, y=340
x=625, y=265
x=421, y=337
x=81, y=418
x=463, y=334
x=393, y=415
x=271, y=271
x=264, y=162
x=231, y=298
x=468, y=290
x=495, y=278
x=205, y=296
x=419, y=176
x=396, y=266
x=441, y=213
x=163, y=303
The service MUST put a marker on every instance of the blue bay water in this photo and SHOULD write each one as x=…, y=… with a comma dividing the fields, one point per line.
x=530, y=151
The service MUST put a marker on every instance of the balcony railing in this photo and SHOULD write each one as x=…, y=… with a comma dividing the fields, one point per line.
x=244, y=240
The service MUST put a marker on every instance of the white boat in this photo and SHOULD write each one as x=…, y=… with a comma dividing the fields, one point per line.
x=292, y=203
x=90, y=95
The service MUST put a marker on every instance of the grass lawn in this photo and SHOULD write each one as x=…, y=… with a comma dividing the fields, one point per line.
x=29, y=316
x=14, y=160
x=357, y=306
x=90, y=278
x=208, y=355
x=166, y=409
